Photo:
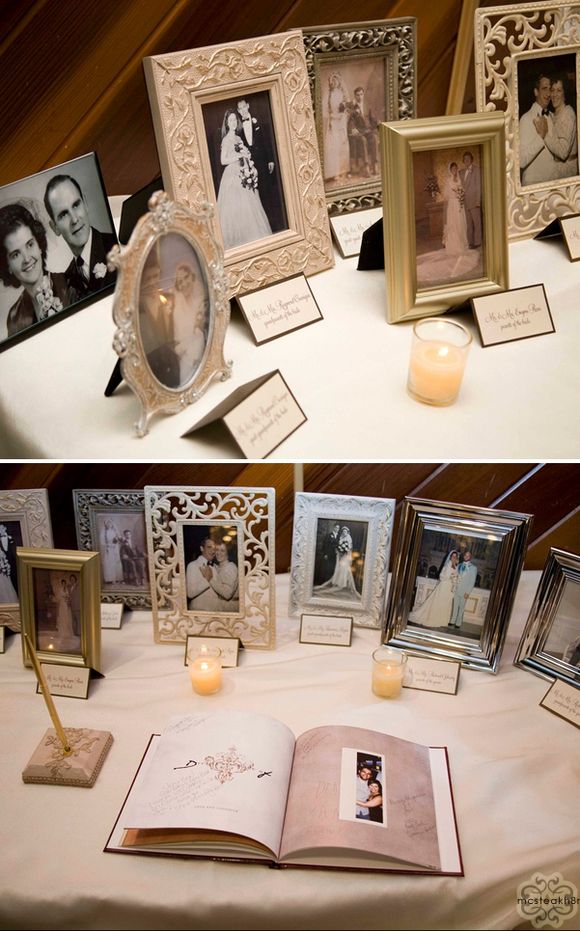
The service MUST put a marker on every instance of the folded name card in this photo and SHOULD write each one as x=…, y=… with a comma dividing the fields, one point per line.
x=260, y=415
x=348, y=229
x=432, y=675
x=66, y=681
x=332, y=630
x=280, y=308
x=229, y=647
x=510, y=315
x=111, y=615
x=563, y=700
x=571, y=232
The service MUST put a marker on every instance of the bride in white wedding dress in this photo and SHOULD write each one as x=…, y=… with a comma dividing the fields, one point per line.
x=241, y=214
x=436, y=609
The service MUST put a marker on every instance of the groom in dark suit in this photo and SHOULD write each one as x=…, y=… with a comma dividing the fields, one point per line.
x=69, y=217
x=257, y=137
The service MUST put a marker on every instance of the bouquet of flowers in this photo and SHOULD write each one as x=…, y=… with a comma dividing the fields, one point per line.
x=248, y=171
x=432, y=186
x=48, y=303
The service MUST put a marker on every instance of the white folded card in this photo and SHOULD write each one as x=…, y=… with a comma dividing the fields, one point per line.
x=66, y=681
x=432, y=675
x=571, y=233
x=111, y=615
x=229, y=647
x=563, y=699
x=511, y=315
x=334, y=630
x=348, y=229
x=279, y=308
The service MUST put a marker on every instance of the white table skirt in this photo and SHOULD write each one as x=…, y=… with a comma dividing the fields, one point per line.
x=514, y=768
x=348, y=372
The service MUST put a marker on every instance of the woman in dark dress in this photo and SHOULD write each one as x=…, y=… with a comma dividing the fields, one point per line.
x=374, y=802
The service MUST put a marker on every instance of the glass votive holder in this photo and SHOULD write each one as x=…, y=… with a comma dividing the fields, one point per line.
x=438, y=355
x=205, y=669
x=388, y=672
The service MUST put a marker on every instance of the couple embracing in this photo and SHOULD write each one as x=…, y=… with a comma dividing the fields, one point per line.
x=446, y=603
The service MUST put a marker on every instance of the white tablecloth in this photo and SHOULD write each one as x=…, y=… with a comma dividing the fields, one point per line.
x=348, y=373
x=514, y=768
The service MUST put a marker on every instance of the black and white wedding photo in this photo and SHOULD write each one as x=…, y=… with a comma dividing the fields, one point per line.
x=339, y=562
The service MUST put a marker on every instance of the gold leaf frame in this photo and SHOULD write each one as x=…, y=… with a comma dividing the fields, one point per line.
x=405, y=300
x=166, y=217
x=180, y=83
x=30, y=507
x=503, y=36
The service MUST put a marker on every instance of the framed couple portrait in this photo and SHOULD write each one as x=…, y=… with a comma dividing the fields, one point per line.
x=361, y=75
x=212, y=556
x=340, y=556
x=234, y=128
x=24, y=521
x=444, y=215
x=56, y=230
x=550, y=643
x=527, y=69
x=455, y=576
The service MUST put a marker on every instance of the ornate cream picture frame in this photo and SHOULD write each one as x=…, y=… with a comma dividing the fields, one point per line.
x=24, y=521
x=170, y=308
x=235, y=596
x=379, y=57
x=405, y=146
x=512, y=45
x=194, y=93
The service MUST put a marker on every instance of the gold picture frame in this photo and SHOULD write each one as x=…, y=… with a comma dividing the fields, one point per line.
x=170, y=308
x=514, y=46
x=60, y=600
x=419, y=271
x=24, y=521
x=193, y=97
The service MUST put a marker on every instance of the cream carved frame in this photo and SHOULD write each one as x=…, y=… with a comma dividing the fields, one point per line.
x=505, y=35
x=28, y=506
x=167, y=217
x=180, y=83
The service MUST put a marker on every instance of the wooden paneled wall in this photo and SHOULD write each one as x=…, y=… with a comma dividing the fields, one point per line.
x=550, y=492
x=72, y=80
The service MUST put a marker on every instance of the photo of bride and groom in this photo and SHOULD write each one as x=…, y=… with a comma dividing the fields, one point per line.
x=340, y=559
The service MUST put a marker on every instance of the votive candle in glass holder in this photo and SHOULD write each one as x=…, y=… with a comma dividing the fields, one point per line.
x=205, y=669
x=388, y=671
x=438, y=355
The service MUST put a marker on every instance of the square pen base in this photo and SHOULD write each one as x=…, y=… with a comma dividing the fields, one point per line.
x=50, y=765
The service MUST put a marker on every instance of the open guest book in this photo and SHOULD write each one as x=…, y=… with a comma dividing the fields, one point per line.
x=236, y=785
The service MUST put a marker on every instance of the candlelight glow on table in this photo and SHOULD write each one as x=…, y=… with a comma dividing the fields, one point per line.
x=205, y=670
x=388, y=671
x=438, y=355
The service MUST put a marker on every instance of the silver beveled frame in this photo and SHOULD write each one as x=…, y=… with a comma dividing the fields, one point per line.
x=561, y=568
x=181, y=82
x=504, y=35
x=30, y=507
x=87, y=564
x=167, y=510
x=419, y=514
x=392, y=39
x=378, y=514
x=88, y=503
x=405, y=300
x=166, y=217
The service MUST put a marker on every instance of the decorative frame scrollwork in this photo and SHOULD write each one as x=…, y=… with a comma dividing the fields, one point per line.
x=504, y=36
x=168, y=510
x=30, y=507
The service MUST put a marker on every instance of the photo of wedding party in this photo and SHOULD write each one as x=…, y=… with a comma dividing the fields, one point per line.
x=339, y=562
x=449, y=220
x=547, y=118
x=57, y=610
x=455, y=575
x=245, y=168
x=211, y=567
x=123, y=550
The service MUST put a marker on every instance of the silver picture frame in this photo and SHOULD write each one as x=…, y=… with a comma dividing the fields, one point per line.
x=430, y=532
x=124, y=563
x=179, y=521
x=340, y=556
x=24, y=521
x=550, y=644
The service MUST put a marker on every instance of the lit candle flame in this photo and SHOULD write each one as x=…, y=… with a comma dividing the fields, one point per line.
x=443, y=352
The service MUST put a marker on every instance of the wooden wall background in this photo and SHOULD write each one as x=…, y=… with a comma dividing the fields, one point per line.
x=551, y=491
x=72, y=79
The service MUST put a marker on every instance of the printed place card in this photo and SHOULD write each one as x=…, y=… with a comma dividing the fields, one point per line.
x=563, y=699
x=279, y=308
x=571, y=232
x=67, y=681
x=432, y=675
x=332, y=630
x=229, y=646
x=348, y=229
x=111, y=615
x=510, y=315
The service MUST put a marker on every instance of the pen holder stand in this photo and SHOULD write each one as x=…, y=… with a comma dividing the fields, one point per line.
x=49, y=764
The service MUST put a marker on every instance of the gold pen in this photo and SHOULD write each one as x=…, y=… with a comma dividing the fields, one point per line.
x=47, y=696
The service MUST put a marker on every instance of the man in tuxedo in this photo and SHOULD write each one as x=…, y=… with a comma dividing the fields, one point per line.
x=257, y=137
x=69, y=217
x=537, y=163
x=471, y=181
x=200, y=594
x=132, y=560
x=466, y=576
x=362, y=137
